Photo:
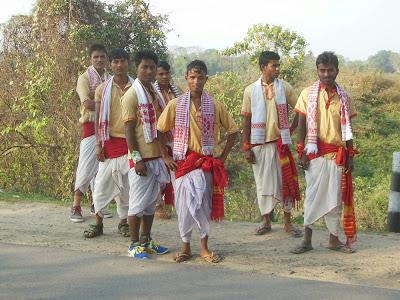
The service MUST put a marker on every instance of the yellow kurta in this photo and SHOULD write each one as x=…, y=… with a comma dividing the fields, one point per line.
x=222, y=118
x=272, y=132
x=130, y=112
x=82, y=88
x=328, y=119
x=116, y=124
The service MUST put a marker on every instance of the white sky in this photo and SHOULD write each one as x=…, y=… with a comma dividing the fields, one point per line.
x=353, y=28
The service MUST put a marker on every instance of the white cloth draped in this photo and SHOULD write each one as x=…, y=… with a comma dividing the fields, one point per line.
x=268, y=178
x=87, y=165
x=193, y=200
x=145, y=191
x=112, y=183
x=323, y=193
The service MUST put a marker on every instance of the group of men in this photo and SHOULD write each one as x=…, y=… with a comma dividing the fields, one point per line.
x=145, y=141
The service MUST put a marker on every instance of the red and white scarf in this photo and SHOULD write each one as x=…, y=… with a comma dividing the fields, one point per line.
x=147, y=110
x=181, y=133
x=105, y=108
x=259, y=115
x=95, y=79
x=312, y=122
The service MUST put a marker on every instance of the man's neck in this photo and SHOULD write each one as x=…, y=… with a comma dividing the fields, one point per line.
x=164, y=87
x=146, y=84
x=267, y=79
x=121, y=79
x=196, y=98
x=100, y=71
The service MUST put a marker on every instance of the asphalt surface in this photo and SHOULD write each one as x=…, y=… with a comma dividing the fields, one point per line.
x=28, y=272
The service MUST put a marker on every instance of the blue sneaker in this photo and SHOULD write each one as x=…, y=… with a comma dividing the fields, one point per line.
x=154, y=248
x=137, y=251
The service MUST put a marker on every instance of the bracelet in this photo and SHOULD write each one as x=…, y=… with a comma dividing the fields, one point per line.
x=300, y=149
x=136, y=157
x=246, y=146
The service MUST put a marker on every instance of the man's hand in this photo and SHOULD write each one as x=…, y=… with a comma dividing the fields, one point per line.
x=170, y=163
x=89, y=104
x=100, y=153
x=304, y=161
x=249, y=154
x=140, y=168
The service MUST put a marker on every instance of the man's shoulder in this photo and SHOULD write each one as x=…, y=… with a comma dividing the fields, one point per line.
x=83, y=77
x=250, y=87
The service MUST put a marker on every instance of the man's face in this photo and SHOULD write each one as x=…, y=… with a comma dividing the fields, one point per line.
x=120, y=66
x=271, y=69
x=146, y=70
x=196, y=80
x=98, y=59
x=327, y=74
x=163, y=76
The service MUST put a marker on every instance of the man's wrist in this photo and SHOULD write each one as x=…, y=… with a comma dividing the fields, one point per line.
x=136, y=157
x=246, y=146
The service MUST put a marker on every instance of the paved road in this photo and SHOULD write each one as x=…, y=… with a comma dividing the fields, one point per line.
x=45, y=273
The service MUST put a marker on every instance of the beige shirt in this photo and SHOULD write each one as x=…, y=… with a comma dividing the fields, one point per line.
x=272, y=131
x=130, y=112
x=222, y=118
x=328, y=119
x=116, y=124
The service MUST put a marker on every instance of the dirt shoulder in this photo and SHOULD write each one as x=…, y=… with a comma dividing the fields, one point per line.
x=376, y=263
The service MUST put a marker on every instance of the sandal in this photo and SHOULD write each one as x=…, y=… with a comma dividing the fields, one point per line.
x=212, y=258
x=301, y=249
x=93, y=231
x=294, y=232
x=123, y=229
x=342, y=248
x=181, y=257
x=263, y=230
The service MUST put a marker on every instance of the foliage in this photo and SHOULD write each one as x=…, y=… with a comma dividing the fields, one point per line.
x=386, y=61
x=41, y=57
x=288, y=44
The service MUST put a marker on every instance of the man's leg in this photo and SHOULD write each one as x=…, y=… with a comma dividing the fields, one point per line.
x=288, y=226
x=146, y=229
x=134, y=226
x=306, y=244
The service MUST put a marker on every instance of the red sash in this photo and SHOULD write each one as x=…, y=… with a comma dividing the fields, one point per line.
x=87, y=129
x=290, y=182
x=196, y=160
x=115, y=147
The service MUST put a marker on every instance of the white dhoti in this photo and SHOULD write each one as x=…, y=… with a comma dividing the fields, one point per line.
x=87, y=165
x=323, y=193
x=145, y=191
x=268, y=178
x=112, y=183
x=193, y=200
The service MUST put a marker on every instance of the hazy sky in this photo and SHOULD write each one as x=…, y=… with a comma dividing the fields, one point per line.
x=353, y=28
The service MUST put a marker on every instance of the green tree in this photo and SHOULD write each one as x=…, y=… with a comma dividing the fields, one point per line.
x=261, y=37
x=41, y=56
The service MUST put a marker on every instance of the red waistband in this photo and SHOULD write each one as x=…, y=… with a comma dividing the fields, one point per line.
x=115, y=147
x=87, y=129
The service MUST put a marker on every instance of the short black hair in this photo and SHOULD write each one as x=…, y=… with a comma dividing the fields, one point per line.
x=145, y=54
x=198, y=65
x=118, y=53
x=163, y=64
x=266, y=56
x=327, y=58
x=97, y=47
